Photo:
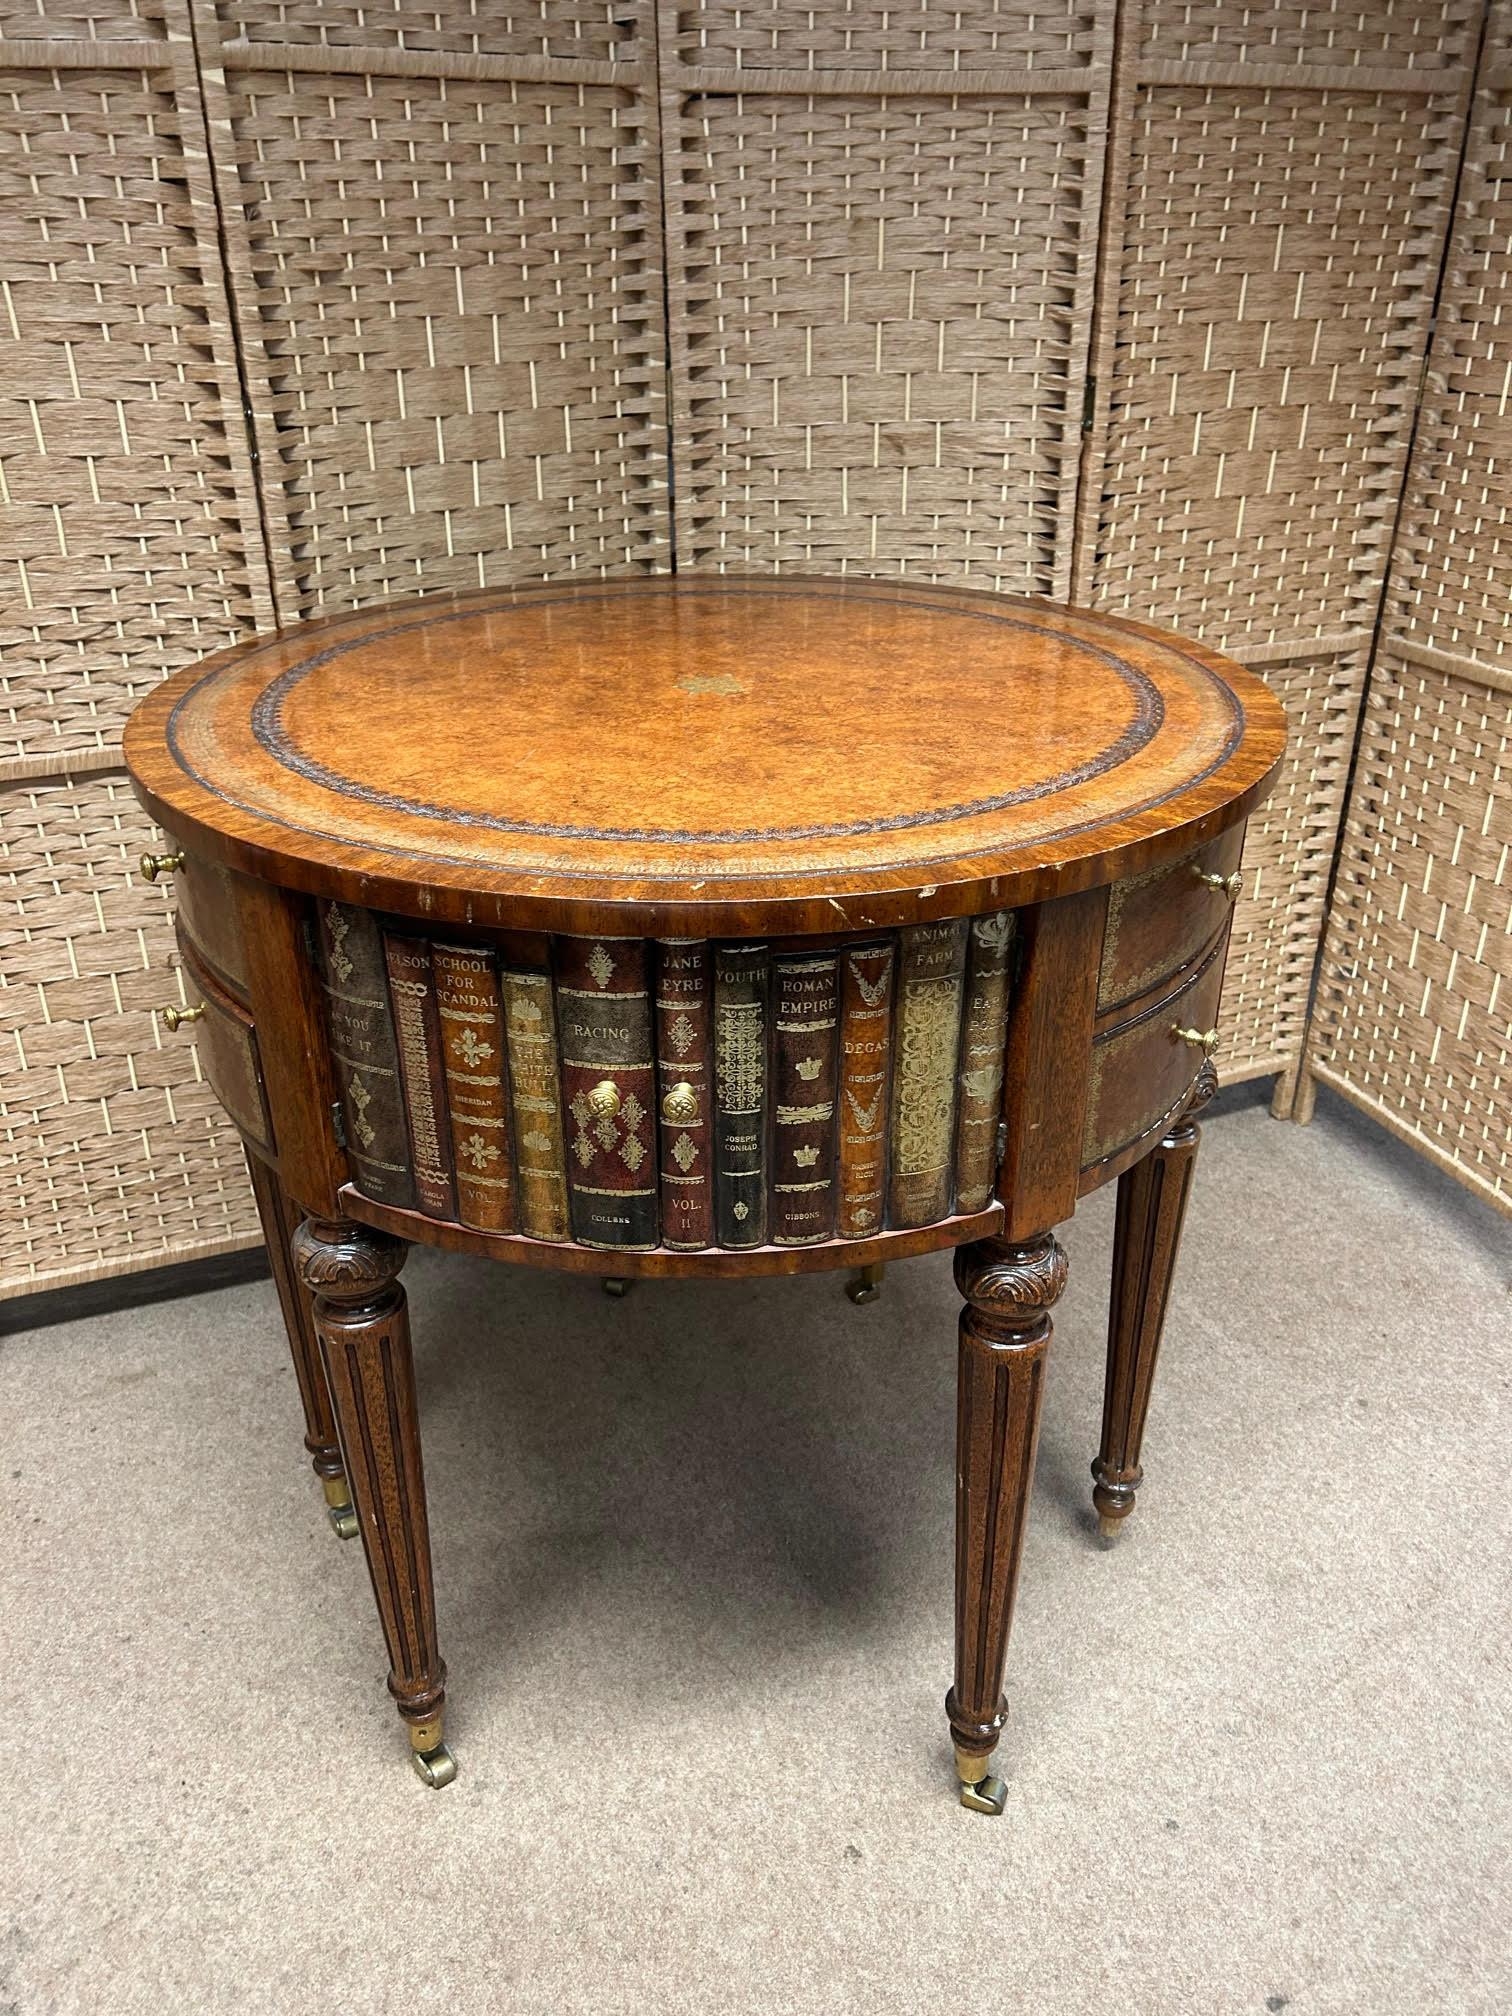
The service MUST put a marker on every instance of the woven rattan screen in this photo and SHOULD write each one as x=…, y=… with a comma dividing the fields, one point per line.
x=444, y=237
x=131, y=545
x=881, y=247
x=1414, y=1013
x=1278, y=193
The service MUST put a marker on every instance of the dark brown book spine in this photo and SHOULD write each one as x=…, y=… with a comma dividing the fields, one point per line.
x=684, y=981
x=472, y=1048
x=805, y=1017
x=740, y=1093
x=603, y=1006
x=417, y=1025
x=364, y=1054
x=866, y=1023
x=540, y=1169
x=984, y=1032
x=932, y=967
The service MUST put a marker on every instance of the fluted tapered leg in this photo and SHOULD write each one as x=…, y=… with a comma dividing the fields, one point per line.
x=281, y=1218
x=1010, y=1290
x=362, y=1321
x=1152, y=1201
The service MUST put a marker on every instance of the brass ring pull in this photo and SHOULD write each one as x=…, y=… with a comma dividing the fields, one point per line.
x=175, y=1018
x=1226, y=885
x=680, y=1105
x=1205, y=1040
x=604, y=1100
x=153, y=865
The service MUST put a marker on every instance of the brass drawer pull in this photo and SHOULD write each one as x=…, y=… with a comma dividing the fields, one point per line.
x=1226, y=885
x=680, y=1105
x=1205, y=1040
x=604, y=1100
x=153, y=865
x=175, y=1018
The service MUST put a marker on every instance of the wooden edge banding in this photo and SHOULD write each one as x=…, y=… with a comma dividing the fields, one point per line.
x=711, y=1263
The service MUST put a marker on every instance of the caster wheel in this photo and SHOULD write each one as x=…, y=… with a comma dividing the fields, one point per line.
x=435, y=1767
x=615, y=1285
x=988, y=1795
x=865, y=1286
x=343, y=1522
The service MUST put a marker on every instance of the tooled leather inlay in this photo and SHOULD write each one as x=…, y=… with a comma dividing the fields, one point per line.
x=272, y=732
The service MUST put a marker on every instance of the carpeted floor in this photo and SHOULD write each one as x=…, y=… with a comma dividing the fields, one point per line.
x=693, y=1569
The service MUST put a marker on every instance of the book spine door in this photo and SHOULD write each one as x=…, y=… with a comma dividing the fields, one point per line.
x=417, y=1025
x=805, y=1016
x=866, y=1021
x=365, y=1055
x=472, y=1048
x=530, y=1037
x=740, y=1093
x=932, y=969
x=603, y=1005
x=984, y=1034
x=684, y=1013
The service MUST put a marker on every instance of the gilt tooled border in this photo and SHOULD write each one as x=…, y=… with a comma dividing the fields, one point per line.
x=1231, y=742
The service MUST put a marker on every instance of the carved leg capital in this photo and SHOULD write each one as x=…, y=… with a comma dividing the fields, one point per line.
x=1010, y=1290
x=361, y=1318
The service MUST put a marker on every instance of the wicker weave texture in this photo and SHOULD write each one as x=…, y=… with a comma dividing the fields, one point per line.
x=1414, y=1012
x=446, y=267
x=115, y=1153
x=1278, y=196
x=131, y=542
x=879, y=272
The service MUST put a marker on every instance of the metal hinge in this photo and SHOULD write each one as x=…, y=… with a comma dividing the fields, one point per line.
x=1002, y=1143
x=338, y=1123
x=307, y=926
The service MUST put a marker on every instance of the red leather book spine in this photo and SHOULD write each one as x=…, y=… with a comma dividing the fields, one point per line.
x=805, y=1016
x=684, y=983
x=984, y=1035
x=609, y=1090
x=417, y=1025
x=866, y=1023
x=472, y=1047
x=931, y=973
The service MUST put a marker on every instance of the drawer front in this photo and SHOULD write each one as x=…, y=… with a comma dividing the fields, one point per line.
x=227, y=1043
x=208, y=916
x=1141, y=1070
x=1159, y=922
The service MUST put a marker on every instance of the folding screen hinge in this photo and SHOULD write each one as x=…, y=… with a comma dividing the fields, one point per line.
x=338, y=1123
x=1089, y=404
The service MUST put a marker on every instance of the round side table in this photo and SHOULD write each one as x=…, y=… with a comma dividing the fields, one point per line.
x=709, y=925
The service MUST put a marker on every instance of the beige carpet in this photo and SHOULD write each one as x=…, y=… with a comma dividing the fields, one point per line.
x=692, y=1556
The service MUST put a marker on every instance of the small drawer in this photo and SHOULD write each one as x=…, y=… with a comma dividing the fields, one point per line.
x=1160, y=922
x=228, y=1051
x=1142, y=1069
x=209, y=916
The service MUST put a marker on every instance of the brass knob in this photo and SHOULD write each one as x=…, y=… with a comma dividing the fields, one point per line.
x=153, y=865
x=1205, y=1040
x=680, y=1105
x=175, y=1018
x=604, y=1100
x=1226, y=885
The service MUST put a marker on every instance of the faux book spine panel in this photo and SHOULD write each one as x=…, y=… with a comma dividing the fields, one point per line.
x=626, y=1094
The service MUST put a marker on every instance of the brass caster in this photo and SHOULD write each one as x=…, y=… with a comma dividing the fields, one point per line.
x=343, y=1520
x=615, y=1284
x=866, y=1284
x=988, y=1795
x=980, y=1792
x=1110, y=1528
x=435, y=1767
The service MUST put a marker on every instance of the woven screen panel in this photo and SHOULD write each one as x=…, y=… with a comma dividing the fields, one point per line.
x=874, y=35
x=588, y=30
x=1279, y=188
x=128, y=521
x=447, y=269
x=115, y=1154
x=1413, y=1019
x=879, y=272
